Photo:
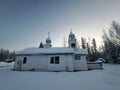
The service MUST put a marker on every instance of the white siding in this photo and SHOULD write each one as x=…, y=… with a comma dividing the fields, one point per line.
x=42, y=62
x=81, y=64
x=65, y=60
x=34, y=62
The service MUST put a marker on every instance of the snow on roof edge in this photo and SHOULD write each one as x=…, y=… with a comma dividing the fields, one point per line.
x=34, y=50
x=54, y=50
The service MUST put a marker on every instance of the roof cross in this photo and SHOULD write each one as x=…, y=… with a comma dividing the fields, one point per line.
x=48, y=34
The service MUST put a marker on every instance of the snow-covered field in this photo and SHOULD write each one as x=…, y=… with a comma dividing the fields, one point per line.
x=5, y=65
x=107, y=79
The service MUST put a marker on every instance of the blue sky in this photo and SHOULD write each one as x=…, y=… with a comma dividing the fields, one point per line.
x=25, y=23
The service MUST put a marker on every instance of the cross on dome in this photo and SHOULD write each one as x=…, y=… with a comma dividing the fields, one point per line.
x=48, y=34
x=71, y=31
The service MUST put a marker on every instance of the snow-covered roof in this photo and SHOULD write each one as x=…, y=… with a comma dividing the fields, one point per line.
x=81, y=51
x=35, y=50
x=55, y=50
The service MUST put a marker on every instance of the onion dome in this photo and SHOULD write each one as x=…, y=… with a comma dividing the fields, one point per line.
x=48, y=40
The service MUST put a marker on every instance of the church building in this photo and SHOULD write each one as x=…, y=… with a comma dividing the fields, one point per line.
x=50, y=58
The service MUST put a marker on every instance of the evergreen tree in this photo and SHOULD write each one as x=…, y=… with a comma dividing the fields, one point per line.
x=83, y=42
x=41, y=45
x=88, y=49
x=94, y=46
x=6, y=54
x=112, y=43
x=1, y=54
x=12, y=56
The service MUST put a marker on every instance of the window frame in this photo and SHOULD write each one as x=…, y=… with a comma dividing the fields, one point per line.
x=77, y=57
x=54, y=60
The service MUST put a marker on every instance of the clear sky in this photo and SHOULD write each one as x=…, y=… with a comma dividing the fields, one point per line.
x=25, y=23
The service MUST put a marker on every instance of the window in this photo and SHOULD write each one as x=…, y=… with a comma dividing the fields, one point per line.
x=24, y=60
x=77, y=57
x=73, y=45
x=54, y=60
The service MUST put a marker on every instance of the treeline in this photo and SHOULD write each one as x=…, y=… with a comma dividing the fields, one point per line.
x=111, y=40
x=110, y=50
x=91, y=46
x=6, y=55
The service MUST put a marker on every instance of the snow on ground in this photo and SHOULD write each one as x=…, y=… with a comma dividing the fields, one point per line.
x=107, y=79
x=4, y=64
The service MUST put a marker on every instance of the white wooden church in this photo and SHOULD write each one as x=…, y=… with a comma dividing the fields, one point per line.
x=51, y=58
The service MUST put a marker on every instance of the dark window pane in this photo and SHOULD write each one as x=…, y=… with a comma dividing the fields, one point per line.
x=56, y=60
x=73, y=45
x=51, y=60
x=24, y=60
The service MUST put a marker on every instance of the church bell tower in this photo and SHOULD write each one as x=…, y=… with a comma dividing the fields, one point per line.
x=72, y=40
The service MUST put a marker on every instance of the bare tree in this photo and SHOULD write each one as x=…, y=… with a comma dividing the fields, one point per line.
x=64, y=42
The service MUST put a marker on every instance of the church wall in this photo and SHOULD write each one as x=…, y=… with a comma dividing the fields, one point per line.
x=42, y=63
x=65, y=61
x=81, y=64
x=33, y=62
